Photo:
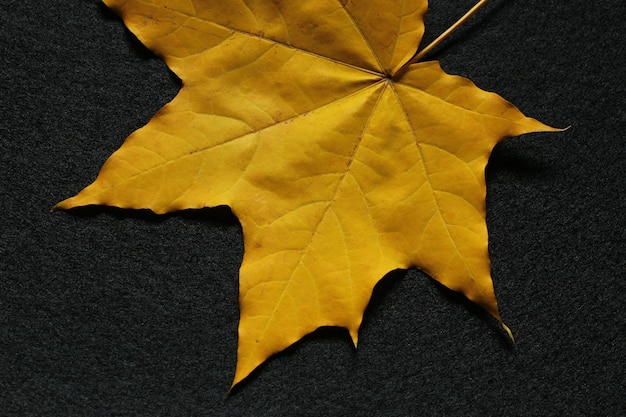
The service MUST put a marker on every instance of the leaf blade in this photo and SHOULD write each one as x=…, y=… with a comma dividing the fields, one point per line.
x=338, y=172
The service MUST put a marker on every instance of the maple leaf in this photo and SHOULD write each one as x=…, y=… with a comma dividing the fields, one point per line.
x=341, y=161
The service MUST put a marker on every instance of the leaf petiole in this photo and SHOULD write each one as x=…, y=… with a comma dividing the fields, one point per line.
x=445, y=34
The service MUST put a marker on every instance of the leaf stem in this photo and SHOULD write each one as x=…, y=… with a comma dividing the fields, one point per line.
x=447, y=33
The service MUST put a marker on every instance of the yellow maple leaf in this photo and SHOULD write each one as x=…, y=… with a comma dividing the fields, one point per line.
x=341, y=162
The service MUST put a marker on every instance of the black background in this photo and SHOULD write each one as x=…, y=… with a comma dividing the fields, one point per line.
x=106, y=312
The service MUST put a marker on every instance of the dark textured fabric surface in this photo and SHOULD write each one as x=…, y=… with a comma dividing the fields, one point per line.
x=118, y=313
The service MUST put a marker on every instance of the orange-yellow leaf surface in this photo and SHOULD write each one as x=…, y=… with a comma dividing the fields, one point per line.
x=340, y=165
